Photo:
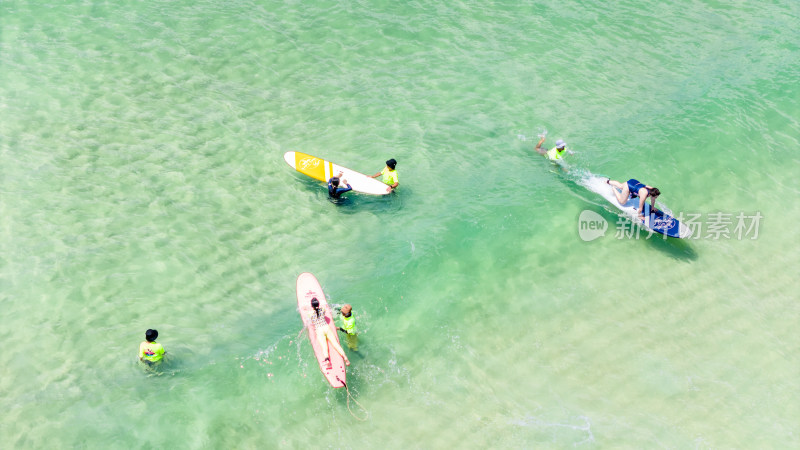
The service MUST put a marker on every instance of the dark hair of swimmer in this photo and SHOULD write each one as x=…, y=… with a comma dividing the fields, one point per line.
x=391, y=163
x=335, y=181
x=655, y=192
x=315, y=305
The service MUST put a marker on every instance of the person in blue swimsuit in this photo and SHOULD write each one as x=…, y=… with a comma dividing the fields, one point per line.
x=334, y=191
x=635, y=188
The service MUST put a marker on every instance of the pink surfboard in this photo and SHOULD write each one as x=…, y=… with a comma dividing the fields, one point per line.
x=307, y=288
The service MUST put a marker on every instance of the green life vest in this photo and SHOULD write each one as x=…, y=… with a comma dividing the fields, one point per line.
x=389, y=176
x=151, y=351
x=554, y=155
x=349, y=324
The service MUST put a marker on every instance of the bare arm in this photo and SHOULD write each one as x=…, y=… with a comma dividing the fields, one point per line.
x=641, y=207
x=539, y=147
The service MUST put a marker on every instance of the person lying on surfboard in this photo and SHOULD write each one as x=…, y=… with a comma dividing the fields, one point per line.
x=324, y=333
x=389, y=174
x=333, y=186
x=554, y=154
x=632, y=189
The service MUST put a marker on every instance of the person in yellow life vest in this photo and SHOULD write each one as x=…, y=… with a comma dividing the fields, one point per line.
x=389, y=174
x=349, y=327
x=554, y=154
x=151, y=351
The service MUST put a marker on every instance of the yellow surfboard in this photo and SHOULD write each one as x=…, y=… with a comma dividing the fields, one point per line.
x=319, y=169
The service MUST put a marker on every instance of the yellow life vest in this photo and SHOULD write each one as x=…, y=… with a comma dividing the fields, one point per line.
x=151, y=351
x=349, y=324
x=389, y=176
x=553, y=154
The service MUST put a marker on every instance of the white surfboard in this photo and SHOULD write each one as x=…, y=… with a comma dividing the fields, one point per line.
x=322, y=170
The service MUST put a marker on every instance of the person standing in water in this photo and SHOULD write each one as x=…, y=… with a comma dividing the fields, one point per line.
x=635, y=188
x=334, y=191
x=349, y=327
x=150, y=351
x=389, y=174
x=324, y=333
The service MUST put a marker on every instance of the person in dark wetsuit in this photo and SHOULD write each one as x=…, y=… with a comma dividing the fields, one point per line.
x=334, y=191
x=635, y=188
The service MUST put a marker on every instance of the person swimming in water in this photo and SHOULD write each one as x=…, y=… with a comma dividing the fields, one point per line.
x=554, y=154
x=324, y=333
x=635, y=188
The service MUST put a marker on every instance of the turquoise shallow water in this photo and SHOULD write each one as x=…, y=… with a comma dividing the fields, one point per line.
x=143, y=186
